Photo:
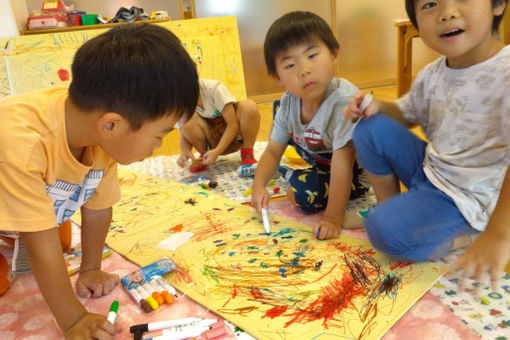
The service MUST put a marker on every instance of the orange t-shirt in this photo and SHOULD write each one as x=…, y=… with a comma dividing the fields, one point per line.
x=41, y=182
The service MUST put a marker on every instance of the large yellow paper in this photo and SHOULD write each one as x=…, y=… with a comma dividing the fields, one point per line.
x=43, y=60
x=286, y=285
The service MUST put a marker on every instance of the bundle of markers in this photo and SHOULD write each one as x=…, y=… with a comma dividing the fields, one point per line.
x=147, y=286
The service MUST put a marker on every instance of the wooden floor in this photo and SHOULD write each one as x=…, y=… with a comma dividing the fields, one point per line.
x=171, y=142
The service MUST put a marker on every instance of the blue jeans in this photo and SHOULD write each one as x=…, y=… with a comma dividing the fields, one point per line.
x=419, y=224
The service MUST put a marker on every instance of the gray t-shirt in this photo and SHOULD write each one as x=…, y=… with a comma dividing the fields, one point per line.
x=465, y=114
x=327, y=131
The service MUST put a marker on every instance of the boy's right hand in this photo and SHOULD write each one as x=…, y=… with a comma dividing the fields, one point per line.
x=183, y=158
x=259, y=198
x=352, y=110
x=90, y=326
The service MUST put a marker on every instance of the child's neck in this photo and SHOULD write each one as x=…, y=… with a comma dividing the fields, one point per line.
x=309, y=108
x=478, y=55
x=78, y=130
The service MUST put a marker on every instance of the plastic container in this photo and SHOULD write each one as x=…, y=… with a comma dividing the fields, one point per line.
x=75, y=19
x=89, y=19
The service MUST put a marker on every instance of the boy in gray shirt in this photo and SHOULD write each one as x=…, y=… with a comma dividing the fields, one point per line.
x=302, y=52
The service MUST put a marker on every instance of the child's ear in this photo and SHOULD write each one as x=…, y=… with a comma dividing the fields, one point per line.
x=499, y=8
x=336, y=54
x=109, y=124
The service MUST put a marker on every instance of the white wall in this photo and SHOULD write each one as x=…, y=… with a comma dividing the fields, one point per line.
x=8, y=25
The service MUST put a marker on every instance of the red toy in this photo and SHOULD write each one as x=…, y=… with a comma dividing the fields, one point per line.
x=197, y=165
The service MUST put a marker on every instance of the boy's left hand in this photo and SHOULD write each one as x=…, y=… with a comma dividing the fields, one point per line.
x=95, y=283
x=327, y=228
x=485, y=258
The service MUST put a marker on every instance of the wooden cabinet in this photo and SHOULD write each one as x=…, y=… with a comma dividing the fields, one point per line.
x=86, y=27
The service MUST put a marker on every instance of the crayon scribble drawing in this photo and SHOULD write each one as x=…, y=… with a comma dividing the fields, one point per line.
x=282, y=285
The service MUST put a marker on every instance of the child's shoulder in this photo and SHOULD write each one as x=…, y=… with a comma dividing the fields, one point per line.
x=208, y=83
x=26, y=117
x=343, y=87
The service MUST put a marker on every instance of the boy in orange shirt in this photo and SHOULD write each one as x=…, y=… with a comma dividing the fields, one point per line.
x=59, y=148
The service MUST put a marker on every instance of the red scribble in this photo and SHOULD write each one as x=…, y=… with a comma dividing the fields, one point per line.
x=256, y=293
x=335, y=298
x=275, y=312
x=346, y=248
x=63, y=74
x=176, y=229
x=400, y=264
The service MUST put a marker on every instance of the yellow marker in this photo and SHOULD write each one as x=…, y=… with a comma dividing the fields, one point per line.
x=247, y=192
x=152, y=302
x=272, y=181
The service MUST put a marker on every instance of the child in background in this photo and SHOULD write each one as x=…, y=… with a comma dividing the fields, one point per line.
x=220, y=125
x=302, y=53
x=59, y=148
x=458, y=183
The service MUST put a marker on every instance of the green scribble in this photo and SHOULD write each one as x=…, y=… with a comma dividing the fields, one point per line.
x=252, y=260
x=279, y=253
x=263, y=265
x=303, y=240
x=207, y=272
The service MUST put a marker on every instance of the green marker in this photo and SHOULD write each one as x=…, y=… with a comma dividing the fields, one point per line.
x=113, y=312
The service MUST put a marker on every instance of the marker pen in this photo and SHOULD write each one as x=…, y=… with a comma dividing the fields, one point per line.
x=164, y=292
x=194, y=324
x=148, y=297
x=159, y=325
x=112, y=315
x=163, y=283
x=183, y=334
x=366, y=102
x=265, y=220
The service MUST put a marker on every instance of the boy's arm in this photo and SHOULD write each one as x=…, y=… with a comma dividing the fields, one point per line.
x=231, y=129
x=49, y=269
x=94, y=227
x=340, y=184
x=186, y=151
x=490, y=252
x=268, y=164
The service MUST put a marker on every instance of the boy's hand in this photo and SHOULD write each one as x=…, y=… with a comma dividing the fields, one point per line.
x=259, y=198
x=184, y=157
x=485, y=258
x=352, y=110
x=95, y=283
x=327, y=228
x=210, y=157
x=90, y=326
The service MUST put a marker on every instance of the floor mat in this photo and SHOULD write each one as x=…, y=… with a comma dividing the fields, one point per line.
x=223, y=171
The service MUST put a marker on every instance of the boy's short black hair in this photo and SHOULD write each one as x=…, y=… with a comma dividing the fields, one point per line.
x=140, y=71
x=295, y=28
x=495, y=23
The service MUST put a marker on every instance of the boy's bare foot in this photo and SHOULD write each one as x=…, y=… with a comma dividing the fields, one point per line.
x=353, y=220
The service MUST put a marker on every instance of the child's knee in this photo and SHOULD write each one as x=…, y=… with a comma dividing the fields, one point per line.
x=385, y=237
x=309, y=202
x=248, y=108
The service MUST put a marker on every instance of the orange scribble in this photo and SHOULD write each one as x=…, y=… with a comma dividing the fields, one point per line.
x=176, y=229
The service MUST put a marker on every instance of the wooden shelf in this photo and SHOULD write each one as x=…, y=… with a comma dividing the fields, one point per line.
x=86, y=27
